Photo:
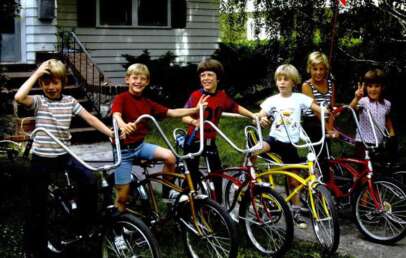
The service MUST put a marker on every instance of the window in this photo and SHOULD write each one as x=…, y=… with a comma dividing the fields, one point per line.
x=133, y=13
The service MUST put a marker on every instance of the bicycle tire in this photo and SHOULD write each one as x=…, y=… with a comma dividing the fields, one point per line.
x=324, y=219
x=372, y=223
x=400, y=176
x=128, y=236
x=219, y=239
x=274, y=234
x=230, y=195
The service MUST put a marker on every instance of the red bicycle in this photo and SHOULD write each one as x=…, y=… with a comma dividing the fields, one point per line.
x=378, y=202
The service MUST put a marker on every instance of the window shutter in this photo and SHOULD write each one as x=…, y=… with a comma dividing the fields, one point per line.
x=86, y=11
x=178, y=14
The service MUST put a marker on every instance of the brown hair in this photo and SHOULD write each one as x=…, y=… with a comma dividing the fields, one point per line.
x=375, y=76
x=211, y=65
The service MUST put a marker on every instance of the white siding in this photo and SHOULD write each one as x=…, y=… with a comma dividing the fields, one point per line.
x=38, y=36
x=106, y=45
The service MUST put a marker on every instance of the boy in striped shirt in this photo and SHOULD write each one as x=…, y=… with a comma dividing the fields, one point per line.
x=53, y=111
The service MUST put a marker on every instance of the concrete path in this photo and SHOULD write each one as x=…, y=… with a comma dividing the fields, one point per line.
x=351, y=241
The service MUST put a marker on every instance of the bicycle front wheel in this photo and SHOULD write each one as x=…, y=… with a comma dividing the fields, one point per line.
x=128, y=236
x=324, y=219
x=386, y=223
x=267, y=221
x=211, y=234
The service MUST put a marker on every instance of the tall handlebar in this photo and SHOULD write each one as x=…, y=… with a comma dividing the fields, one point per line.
x=371, y=121
x=88, y=166
x=254, y=148
x=182, y=157
x=323, y=131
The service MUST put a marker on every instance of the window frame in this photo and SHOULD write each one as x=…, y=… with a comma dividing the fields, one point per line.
x=134, y=21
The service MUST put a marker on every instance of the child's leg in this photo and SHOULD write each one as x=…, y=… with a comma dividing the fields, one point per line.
x=292, y=184
x=122, y=178
x=169, y=160
x=215, y=165
x=122, y=192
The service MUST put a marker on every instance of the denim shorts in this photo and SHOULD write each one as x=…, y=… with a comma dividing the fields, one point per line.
x=145, y=151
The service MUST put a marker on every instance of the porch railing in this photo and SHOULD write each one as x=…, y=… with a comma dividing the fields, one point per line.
x=97, y=87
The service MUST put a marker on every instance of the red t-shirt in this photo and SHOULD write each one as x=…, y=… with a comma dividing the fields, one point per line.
x=131, y=107
x=217, y=103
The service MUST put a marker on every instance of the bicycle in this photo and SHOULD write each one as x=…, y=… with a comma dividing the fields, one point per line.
x=207, y=229
x=378, y=202
x=120, y=234
x=312, y=191
x=262, y=212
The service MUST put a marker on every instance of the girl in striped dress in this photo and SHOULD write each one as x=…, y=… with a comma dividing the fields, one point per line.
x=321, y=88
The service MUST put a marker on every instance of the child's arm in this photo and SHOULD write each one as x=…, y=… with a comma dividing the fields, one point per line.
x=245, y=112
x=126, y=128
x=359, y=93
x=182, y=112
x=389, y=126
x=22, y=96
x=306, y=89
x=95, y=122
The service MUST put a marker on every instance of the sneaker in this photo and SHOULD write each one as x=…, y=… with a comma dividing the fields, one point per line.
x=119, y=242
x=299, y=220
x=173, y=195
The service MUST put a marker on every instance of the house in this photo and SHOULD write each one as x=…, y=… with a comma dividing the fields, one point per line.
x=108, y=29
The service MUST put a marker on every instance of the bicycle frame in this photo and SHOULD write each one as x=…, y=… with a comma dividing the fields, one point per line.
x=359, y=177
x=160, y=176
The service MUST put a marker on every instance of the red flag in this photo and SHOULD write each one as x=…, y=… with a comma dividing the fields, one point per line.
x=343, y=2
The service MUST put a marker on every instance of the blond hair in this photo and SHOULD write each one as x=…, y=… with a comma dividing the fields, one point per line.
x=58, y=70
x=289, y=71
x=137, y=69
x=315, y=58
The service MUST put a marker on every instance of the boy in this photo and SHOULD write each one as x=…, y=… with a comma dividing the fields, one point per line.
x=210, y=72
x=127, y=107
x=53, y=111
x=286, y=108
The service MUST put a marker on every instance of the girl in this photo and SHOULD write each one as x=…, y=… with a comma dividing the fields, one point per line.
x=379, y=107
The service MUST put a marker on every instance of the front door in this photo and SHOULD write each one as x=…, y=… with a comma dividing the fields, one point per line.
x=10, y=44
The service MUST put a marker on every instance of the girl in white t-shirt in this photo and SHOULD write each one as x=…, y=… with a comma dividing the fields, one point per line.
x=286, y=109
x=379, y=107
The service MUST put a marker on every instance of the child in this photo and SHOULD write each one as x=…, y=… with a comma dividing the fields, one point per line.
x=127, y=107
x=379, y=107
x=321, y=88
x=286, y=108
x=210, y=72
x=53, y=111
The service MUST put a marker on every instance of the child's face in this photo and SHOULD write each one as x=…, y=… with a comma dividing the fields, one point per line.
x=136, y=83
x=318, y=72
x=285, y=85
x=374, y=91
x=209, y=81
x=52, y=87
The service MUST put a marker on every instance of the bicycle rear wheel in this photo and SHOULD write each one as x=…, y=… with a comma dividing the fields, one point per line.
x=387, y=223
x=324, y=219
x=218, y=233
x=267, y=221
x=128, y=236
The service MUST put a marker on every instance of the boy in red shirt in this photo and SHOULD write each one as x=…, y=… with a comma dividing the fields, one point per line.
x=210, y=72
x=127, y=107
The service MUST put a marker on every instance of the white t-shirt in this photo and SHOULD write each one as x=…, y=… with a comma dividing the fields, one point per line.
x=289, y=109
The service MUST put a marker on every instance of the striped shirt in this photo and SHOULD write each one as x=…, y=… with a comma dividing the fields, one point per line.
x=56, y=116
x=320, y=97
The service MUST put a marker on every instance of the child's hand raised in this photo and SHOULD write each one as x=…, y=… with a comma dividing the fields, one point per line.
x=359, y=93
x=202, y=101
x=44, y=68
